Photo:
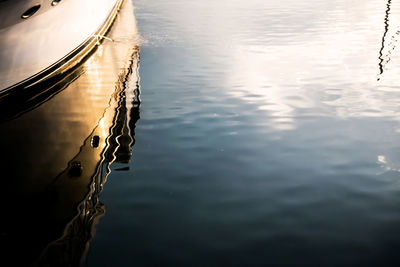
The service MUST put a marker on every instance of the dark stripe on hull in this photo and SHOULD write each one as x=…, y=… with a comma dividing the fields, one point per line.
x=69, y=61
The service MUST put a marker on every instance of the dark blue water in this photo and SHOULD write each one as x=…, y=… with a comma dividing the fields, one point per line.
x=267, y=134
x=265, y=137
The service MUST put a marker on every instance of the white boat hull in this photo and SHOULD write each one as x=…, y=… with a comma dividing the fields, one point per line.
x=52, y=40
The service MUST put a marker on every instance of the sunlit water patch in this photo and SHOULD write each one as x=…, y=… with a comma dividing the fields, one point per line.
x=268, y=135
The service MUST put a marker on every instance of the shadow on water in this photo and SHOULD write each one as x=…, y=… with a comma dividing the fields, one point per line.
x=58, y=147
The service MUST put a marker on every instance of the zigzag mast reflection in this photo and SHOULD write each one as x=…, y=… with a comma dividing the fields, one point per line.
x=384, y=59
x=73, y=245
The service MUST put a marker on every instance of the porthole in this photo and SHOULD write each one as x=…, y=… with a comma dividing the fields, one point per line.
x=55, y=2
x=30, y=12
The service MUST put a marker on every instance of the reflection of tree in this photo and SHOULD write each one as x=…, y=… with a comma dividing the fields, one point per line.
x=71, y=248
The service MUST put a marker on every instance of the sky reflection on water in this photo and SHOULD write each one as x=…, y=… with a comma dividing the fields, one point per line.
x=268, y=135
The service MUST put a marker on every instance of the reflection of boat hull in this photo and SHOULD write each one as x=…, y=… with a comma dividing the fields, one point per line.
x=60, y=152
x=50, y=41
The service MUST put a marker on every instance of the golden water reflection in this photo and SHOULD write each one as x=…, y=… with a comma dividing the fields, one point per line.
x=62, y=147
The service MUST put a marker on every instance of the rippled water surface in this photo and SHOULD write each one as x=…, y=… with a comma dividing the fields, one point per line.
x=267, y=134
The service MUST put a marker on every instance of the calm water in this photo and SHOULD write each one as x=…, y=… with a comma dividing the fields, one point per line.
x=267, y=134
